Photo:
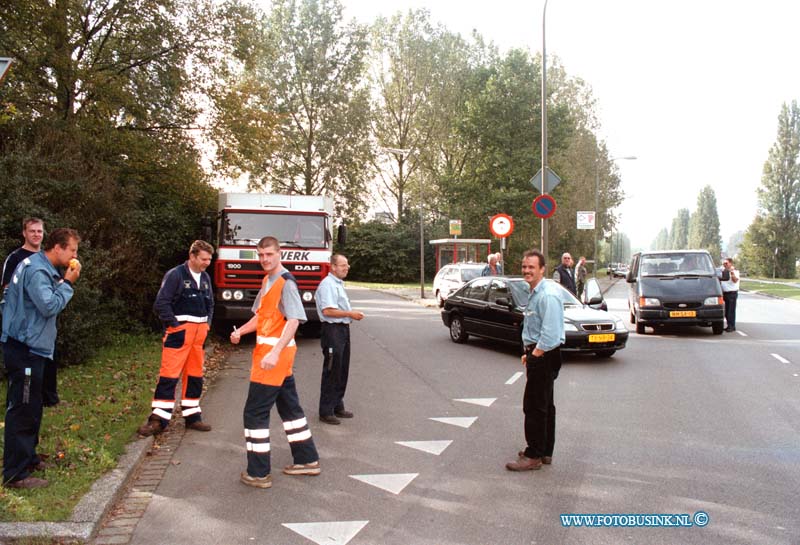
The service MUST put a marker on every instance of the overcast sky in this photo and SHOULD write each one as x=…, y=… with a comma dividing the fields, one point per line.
x=693, y=89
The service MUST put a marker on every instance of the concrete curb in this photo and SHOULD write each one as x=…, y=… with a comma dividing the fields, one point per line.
x=92, y=508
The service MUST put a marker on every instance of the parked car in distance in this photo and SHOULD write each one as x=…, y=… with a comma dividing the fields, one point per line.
x=675, y=288
x=453, y=276
x=621, y=271
x=491, y=307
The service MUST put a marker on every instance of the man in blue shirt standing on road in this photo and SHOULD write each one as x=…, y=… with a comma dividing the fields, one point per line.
x=542, y=336
x=335, y=313
x=36, y=295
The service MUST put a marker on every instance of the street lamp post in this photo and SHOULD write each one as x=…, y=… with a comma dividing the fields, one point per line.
x=597, y=203
x=402, y=153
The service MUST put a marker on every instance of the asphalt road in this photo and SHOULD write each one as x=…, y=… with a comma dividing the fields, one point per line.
x=678, y=422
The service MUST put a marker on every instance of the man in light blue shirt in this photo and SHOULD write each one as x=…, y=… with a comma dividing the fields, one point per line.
x=335, y=312
x=542, y=335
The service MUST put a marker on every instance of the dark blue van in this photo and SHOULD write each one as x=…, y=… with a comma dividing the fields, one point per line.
x=675, y=288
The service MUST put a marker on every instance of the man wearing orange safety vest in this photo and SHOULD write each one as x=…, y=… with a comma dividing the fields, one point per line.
x=278, y=312
x=185, y=305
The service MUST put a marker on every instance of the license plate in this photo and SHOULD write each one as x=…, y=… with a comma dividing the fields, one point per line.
x=682, y=314
x=603, y=338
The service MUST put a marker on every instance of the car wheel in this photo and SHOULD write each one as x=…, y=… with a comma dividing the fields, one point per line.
x=457, y=332
x=604, y=353
x=639, y=328
x=717, y=328
x=439, y=298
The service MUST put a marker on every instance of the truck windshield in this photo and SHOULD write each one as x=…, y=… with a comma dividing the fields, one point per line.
x=677, y=264
x=247, y=228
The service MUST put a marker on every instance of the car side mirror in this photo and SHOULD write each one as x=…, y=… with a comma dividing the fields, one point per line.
x=630, y=278
x=596, y=300
x=341, y=235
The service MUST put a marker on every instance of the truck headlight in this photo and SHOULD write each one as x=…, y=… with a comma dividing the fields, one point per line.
x=238, y=295
x=714, y=301
x=649, y=302
x=227, y=295
x=308, y=296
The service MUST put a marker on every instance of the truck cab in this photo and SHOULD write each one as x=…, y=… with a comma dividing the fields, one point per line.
x=303, y=224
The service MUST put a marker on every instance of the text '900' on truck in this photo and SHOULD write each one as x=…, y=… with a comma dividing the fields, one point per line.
x=303, y=224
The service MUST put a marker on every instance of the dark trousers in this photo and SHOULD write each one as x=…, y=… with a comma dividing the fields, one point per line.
x=23, y=409
x=730, y=298
x=537, y=403
x=335, y=367
x=260, y=399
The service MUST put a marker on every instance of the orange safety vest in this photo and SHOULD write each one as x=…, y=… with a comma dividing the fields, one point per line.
x=270, y=325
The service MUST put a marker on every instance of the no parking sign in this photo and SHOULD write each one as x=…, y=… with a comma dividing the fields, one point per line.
x=544, y=206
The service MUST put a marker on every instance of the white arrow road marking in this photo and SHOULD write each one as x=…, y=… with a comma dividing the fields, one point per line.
x=514, y=378
x=391, y=482
x=483, y=401
x=779, y=358
x=328, y=533
x=460, y=421
x=742, y=333
x=432, y=447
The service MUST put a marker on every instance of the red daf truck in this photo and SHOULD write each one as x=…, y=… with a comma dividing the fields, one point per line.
x=304, y=226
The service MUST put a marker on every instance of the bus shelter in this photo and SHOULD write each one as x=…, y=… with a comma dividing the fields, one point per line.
x=460, y=250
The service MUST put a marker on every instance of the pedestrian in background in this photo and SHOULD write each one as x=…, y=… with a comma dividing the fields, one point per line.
x=491, y=268
x=335, y=313
x=580, y=277
x=32, y=234
x=564, y=274
x=542, y=336
x=278, y=312
x=37, y=293
x=500, y=266
x=185, y=305
x=730, y=293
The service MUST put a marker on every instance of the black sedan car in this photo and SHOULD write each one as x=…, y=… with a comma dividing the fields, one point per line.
x=491, y=307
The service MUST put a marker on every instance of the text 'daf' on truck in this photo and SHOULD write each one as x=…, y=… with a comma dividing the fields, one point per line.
x=303, y=224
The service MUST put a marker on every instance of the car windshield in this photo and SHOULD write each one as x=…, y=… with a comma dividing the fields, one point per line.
x=677, y=264
x=468, y=273
x=521, y=290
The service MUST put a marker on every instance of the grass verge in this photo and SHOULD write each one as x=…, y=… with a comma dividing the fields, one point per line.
x=772, y=287
x=102, y=403
x=385, y=286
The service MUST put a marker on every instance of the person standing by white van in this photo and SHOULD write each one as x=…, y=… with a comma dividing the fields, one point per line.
x=730, y=293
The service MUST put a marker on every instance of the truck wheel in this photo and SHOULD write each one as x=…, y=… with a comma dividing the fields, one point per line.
x=312, y=330
x=717, y=328
x=457, y=332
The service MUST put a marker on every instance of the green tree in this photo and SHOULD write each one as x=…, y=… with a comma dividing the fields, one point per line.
x=779, y=194
x=315, y=63
x=102, y=104
x=679, y=234
x=661, y=242
x=704, y=224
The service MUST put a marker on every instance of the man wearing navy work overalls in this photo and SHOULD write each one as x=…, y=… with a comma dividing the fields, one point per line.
x=37, y=293
x=333, y=307
x=185, y=305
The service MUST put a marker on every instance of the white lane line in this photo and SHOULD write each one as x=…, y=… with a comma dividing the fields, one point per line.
x=514, y=378
x=460, y=421
x=431, y=447
x=742, y=333
x=779, y=358
x=391, y=482
x=482, y=401
x=328, y=533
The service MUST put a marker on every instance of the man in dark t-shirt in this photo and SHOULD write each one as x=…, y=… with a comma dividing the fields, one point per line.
x=32, y=233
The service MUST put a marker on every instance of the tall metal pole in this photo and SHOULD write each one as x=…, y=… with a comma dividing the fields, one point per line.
x=421, y=246
x=544, y=127
x=596, y=211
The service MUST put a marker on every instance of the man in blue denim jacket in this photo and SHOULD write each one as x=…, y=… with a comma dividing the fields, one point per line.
x=35, y=297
